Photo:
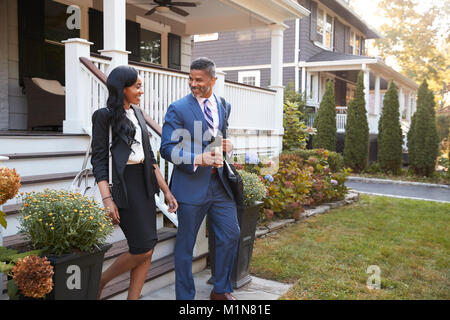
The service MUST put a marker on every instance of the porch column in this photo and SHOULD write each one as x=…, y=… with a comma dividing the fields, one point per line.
x=114, y=32
x=377, y=96
x=76, y=79
x=219, y=87
x=409, y=107
x=366, y=86
x=401, y=101
x=276, y=73
x=303, y=81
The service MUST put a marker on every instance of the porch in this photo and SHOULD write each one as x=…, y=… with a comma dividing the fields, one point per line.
x=343, y=70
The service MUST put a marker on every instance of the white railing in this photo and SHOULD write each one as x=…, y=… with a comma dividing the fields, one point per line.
x=252, y=107
x=101, y=63
x=341, y=119
x=161, y=88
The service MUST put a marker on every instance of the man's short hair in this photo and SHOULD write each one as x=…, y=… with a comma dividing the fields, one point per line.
x=205, y=64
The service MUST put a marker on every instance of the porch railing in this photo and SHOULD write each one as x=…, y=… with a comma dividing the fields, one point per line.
x=252, y=107
x=341, y=119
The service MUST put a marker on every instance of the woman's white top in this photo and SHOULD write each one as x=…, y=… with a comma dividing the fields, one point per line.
x=137, y=153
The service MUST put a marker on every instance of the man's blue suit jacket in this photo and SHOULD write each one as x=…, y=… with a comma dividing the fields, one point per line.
x=181, y=147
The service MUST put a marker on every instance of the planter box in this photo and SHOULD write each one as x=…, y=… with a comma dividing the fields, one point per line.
x=248, y=218
x=77, y=275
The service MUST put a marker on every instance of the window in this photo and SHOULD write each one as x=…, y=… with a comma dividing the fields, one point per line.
x=252, y=78
x=150, y=47
x=355, y=43
x=206, y=37
x=324, y=29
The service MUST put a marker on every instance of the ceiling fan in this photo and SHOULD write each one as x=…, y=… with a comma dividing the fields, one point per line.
x=164, y=6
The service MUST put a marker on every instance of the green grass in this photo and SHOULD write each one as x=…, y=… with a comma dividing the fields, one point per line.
x=326, y=257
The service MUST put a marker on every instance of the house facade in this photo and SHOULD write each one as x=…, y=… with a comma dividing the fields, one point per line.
x=328, y=44
x=67, y=48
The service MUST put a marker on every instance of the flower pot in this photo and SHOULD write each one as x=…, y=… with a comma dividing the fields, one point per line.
x=77, y=275
x=248, y=218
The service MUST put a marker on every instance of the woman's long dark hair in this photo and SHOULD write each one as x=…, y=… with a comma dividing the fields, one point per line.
x=120, y=78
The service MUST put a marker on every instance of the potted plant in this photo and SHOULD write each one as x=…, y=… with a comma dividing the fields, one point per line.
x=254, y=191
x=71, y=231
x=9, y=187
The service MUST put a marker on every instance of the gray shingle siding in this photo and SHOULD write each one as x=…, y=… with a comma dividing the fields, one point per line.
x=339, y=36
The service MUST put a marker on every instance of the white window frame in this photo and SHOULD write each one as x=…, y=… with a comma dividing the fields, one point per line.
x=324, y=29
x=353, y=35
x=248, y=74
x=206, y=37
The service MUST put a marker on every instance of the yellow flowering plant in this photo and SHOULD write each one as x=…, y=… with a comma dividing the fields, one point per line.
x=59, y=222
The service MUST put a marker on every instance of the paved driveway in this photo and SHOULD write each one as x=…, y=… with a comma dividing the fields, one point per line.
x=402, y=190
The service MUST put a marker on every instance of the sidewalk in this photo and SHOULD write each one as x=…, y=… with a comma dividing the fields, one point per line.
x=257, y=289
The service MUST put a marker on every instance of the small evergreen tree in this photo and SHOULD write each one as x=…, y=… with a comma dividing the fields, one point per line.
x=356, y=143
x=325, y=122
x=423, y=140
x=295, y=135
x=390, y=138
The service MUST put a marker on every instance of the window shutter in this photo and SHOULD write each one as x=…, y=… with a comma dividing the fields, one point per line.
x=313, y=20
x=133, y=40
x=363, y=46
x=347, y=48
x=96, y=29
x=174, y=51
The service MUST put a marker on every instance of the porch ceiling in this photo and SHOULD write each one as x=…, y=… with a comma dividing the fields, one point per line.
x=212, y=16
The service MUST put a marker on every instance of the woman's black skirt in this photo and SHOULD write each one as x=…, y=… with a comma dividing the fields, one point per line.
x=138, y=220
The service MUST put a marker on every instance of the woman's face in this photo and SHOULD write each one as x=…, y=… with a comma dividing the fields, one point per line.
x=133, y=93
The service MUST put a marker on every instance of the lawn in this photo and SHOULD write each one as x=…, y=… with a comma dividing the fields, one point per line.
x=326, y=257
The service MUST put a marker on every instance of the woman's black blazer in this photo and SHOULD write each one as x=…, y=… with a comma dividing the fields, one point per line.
x=120, y=151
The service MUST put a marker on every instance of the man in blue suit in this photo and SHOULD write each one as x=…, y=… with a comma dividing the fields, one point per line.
x=191, y=124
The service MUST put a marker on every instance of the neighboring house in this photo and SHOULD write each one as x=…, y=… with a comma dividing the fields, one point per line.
x=329, y=44
x=71, y=45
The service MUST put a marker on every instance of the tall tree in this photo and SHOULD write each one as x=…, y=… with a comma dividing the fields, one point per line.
x=325, y=122
x=356, y=145
x=418, y=39
x=423, y=140
x=390, y=138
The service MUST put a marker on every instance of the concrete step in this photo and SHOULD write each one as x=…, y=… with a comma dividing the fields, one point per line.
x=16, y=143
x=43, y=163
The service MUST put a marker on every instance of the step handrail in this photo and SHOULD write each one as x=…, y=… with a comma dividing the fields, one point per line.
x=153, y=126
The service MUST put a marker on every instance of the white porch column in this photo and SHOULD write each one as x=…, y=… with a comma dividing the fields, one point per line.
x=409, y=107
x=401, y=101
x=76, y=80
x=366, y=86
x=114, y=32
x=377, y=96
x=303, y=81
x=219, y=87
x=276, y=73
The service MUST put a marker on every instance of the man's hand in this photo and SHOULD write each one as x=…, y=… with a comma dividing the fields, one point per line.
x=227, y=145
x=214, y=159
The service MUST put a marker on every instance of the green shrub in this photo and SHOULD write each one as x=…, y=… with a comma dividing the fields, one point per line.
x=59, y=222
x=325, y=122
x=356, y=145
x=336, y=161
x=423, y=140
x=295, y=131
x=390, y=138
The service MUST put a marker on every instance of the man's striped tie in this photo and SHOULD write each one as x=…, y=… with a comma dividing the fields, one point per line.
x=208, y=116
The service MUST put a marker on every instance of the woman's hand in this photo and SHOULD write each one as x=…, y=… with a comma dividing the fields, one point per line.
x=111, y=210
x=171, y=201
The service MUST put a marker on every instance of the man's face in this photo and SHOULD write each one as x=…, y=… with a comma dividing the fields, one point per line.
x=201, y=83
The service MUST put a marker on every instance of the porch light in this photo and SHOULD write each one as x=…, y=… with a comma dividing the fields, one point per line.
x=162, y=9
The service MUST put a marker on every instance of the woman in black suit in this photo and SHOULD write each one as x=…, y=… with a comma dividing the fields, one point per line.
x=135, y=176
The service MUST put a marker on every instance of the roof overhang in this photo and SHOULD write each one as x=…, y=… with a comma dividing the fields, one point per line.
x=212, y=16
x=375, y=65
x=350, y=16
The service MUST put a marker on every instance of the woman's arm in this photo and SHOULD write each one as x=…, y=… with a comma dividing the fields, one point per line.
x=171, y=201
